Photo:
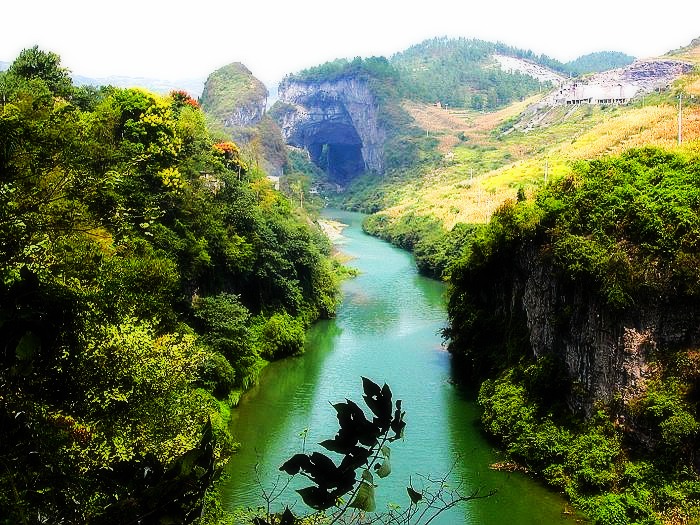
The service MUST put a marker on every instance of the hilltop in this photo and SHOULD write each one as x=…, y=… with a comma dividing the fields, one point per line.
x=465, y=73
x=233, y=95
x=235, y=102
x=691, y=52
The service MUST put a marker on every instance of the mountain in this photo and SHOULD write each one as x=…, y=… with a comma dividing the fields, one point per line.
x=236, y=101
x=234, y=96
x=466, y=73
x=691, y=52
x=487, y=157
x=360, y=115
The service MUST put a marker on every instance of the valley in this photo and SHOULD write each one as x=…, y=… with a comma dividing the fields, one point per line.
x=160, y=251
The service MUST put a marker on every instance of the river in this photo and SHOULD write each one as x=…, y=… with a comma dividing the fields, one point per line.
x=388, y=329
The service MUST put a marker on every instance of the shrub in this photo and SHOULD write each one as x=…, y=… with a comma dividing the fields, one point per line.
x=217, y=375
x=280, y=336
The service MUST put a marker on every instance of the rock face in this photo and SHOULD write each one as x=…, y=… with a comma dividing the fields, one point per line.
x=619, y=86
x=234, y=96
x=518, y=65
x=336, y=121
x=606, y=353
x=245, y=115
x=238, y=100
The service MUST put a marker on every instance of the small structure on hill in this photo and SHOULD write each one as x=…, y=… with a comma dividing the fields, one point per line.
x=576, y=93
x=619, y=86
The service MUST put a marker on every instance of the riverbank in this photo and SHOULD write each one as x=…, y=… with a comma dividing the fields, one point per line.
x=387, y=329
x=332, y=228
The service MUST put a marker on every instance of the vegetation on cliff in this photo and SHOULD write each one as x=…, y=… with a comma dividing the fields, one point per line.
x=232, y=87
x=235, y=104
x=625, y=228
x=146, y=271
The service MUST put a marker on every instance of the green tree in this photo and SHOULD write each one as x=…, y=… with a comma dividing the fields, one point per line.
x=34, y=63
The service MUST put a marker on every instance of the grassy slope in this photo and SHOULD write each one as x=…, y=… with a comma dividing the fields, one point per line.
x=479, y=173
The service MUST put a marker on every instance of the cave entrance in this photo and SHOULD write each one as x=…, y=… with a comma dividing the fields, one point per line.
x=341, y=161
x=336, y=148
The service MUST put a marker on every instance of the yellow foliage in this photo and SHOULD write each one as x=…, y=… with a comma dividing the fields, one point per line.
x=172, y=179
x=457, y=192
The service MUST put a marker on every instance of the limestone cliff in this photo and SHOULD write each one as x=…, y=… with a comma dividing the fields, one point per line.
x=336, y=121
x=234, y=96
x=606, y=352
x=238, y=100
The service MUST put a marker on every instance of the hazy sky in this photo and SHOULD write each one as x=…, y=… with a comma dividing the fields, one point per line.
x=175, y=39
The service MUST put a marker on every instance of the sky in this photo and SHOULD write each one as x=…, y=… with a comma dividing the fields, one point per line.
x=178, y=39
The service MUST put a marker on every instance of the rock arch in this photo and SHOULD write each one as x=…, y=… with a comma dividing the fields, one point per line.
x=336, y=122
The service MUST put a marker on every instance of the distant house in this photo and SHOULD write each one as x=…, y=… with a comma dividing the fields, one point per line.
x=575, y=94
x=275, y=181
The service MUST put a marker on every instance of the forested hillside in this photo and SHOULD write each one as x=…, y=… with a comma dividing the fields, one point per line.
x=147, y=271
x=580, y=308
x=600, y=61
x=462, y=73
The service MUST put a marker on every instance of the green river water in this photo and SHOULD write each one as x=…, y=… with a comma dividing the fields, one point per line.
x=388, y=329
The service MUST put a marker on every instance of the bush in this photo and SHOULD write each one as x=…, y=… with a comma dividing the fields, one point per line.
x=280, y=336
x=217, y=375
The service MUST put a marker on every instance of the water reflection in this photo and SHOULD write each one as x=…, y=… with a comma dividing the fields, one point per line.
x=388, y=329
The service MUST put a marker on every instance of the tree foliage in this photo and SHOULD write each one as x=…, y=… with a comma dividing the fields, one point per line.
x=599, y=61
x=624, y=230
x=459, y=73
x=134, y=251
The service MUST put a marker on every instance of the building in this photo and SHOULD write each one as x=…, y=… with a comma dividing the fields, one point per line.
x=576, y=93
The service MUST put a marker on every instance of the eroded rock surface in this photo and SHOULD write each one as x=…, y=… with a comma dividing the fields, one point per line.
x=336, y=121
x=606, y=353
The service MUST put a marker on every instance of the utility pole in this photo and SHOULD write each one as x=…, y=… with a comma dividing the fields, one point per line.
x=680, y=118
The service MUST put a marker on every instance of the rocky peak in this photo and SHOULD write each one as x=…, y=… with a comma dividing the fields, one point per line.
x=238, y=100
x=234, y=96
